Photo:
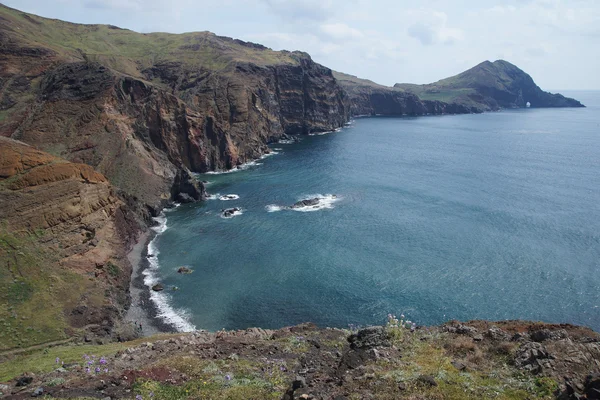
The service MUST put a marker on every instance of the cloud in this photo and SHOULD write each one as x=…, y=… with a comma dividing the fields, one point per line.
x=340, y=31
x=316, y=10
x=432, y=28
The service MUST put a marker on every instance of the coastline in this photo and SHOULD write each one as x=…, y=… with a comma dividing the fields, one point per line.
x=142, y=309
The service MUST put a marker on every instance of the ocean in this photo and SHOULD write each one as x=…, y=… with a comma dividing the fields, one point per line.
x=493, y=216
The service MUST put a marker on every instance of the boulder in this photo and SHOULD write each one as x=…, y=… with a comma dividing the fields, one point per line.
x=306, y=203
x=373, y=336
x=184, y=270
x=158, y=287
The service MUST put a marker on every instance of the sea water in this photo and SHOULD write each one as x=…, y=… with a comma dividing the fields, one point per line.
x=492, y=216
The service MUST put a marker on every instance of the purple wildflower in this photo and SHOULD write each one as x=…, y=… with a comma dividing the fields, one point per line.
x=139, y=397
x=228, y=377
x=102, y=361
x=57, y=360
x=106, y=370
x=87, y=370
x=97, y=370
x=90, y=362
x=151, y=394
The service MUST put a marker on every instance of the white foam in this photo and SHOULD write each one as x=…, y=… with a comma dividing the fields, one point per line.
x=286, y=141
x=277, y=148
x=227, y=197
x=235, y=214
x=239, y=168
x=324, y=133
x=273, y=208
x=213, y=196
x=272, y=153
x=326, y=201
x=178, y=318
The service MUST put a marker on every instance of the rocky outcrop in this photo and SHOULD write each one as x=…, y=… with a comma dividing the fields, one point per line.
x=305, y=362
x=71, y=214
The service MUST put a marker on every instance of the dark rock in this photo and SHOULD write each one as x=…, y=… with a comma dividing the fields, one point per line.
x=402, y=386
x=184, y=270
x=427, y=380
x=306, y=203
x=497, y=334
x=532, y=356
x=186, y=188
x=24, y=381
x=158, y=287
x=299, y=382
x=373, y=336
x=592, y=387
x=315, y=343
x=546, y=334
x=38, y=392
x=229, y=212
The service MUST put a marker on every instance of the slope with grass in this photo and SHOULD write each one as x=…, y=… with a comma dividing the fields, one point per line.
x=63, y=236
x=490, y=86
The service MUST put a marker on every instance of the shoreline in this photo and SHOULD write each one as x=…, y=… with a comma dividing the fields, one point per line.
x=142, y=309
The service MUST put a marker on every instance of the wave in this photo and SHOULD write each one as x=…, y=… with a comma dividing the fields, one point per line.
x=273, y=208
x=272, y=153
x=227, y=197
x=177, y=318
x=286, y=141
x=239, y=168
x=213, y=196
x=326, y=201
x=324, y=133
x=277, y=149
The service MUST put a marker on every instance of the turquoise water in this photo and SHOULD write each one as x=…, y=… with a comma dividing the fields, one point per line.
x=493, y=216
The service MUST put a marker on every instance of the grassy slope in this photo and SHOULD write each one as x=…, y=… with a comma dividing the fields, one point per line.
x=33, y=292
x=458, y=88
x=127, y=51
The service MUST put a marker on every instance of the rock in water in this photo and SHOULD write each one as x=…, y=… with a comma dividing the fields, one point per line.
x=158, y=287
x=185, y=270
x=306, y=203
x=230, y=212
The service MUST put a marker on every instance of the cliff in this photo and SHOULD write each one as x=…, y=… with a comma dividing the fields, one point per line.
x=459, y=361
x=490, y=86
x=369, y=98
x=141, y=108
x=63, y=239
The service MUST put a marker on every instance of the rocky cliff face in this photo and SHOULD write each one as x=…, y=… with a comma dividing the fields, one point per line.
x=70, y=218
x=208, y=103
x=369, y=98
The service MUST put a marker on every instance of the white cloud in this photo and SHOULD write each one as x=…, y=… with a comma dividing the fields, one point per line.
x=340, y=31
x=302, y=9
x=431, y=27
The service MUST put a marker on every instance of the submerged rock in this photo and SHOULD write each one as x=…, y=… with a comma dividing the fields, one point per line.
x=306, y=203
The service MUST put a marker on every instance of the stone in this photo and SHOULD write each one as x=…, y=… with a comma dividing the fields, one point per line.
x=38, y=392
x=546, y=334
x=592, y=387
x=374, y=336
x=184, y=270
x=299, y=382
x=24, y=381
x=427, y=380
x=459, y=365
x=158, y=287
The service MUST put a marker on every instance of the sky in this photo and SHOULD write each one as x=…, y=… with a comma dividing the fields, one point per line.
x=388, y=41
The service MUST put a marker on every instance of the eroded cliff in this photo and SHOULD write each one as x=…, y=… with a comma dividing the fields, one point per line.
x=63, y=241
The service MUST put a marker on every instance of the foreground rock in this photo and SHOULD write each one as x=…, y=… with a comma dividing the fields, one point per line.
x=304, y=362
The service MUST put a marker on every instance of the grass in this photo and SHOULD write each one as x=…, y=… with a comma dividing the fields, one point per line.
x=41, y=361
x=127, y=51
x=32, y=293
